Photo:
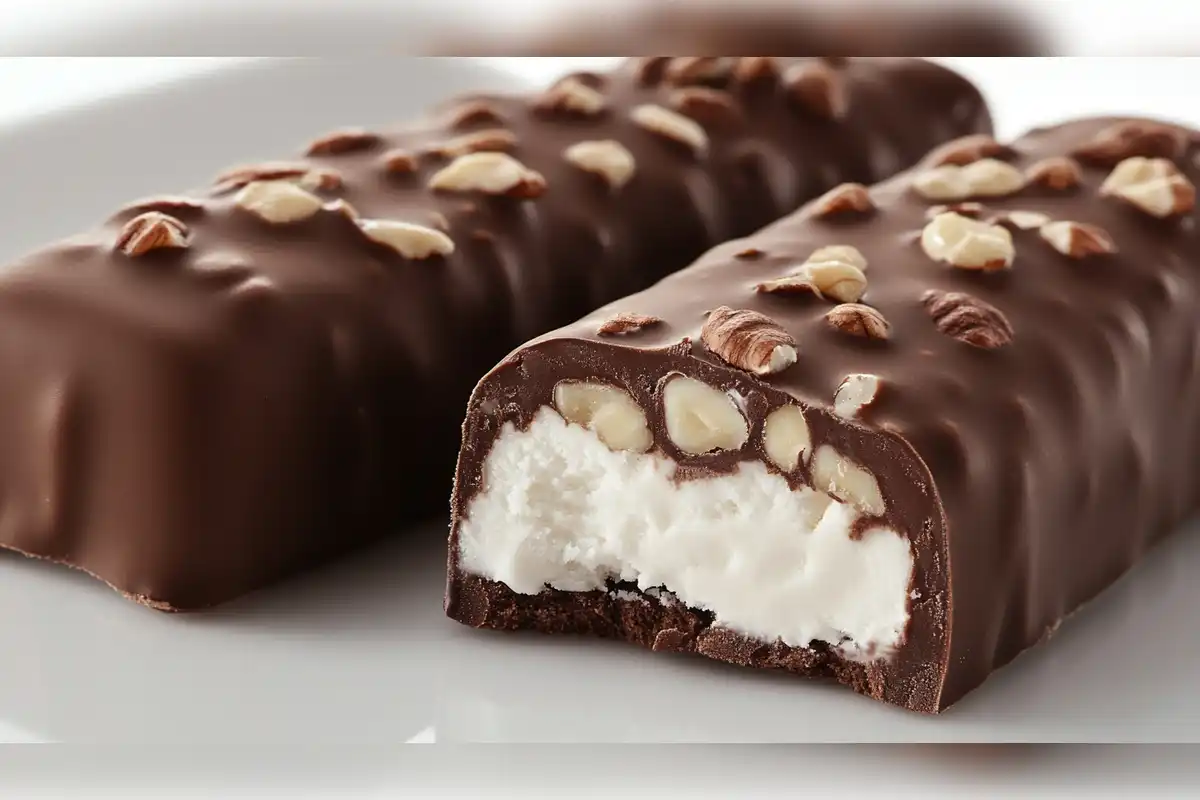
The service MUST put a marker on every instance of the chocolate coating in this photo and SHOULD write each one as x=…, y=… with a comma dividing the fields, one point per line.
x=1034, y=436
x=218, y=403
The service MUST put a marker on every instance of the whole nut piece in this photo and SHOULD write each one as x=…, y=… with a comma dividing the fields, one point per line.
x=987, y=177
x=611, y=413
x=671, y=125
x=968, y=243
x=152, y=230
x=701, y=418
x=836, y=272
x=855, y=393
x=699, y=69
x=709, y=107
x=495, y=140
x=841, y=478
x=1153, y=185
x=607, y=158
x=407, y=239
x=847, y=199
x=968, y=319
x=1076, y=239
x=490, y=173
x=278, y=202
x=748, y=340
x=859, y=320
x=786, y=437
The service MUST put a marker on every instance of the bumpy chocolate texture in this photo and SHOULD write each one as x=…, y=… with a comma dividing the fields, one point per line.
x=893, y=439
x=213, y=391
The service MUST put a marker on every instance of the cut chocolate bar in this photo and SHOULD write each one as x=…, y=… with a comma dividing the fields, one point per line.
x=893, y=439
x=215, y=390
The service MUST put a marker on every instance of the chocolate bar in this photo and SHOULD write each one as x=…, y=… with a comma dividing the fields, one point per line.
x=215, y=390
x=892, y=439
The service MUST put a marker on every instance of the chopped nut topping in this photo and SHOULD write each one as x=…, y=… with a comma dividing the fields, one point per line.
x=859, y=320
x=1153, y=185
x=495, y=140
x=834, y=272
x=307, y=176
x=968, y=150
x=627, y=322
x=701, y=418
x=344, y=141
x=756, y=69
x=709, y=107
x=968, y=319
x=841, y=478
x=1126, y=140
x=671, y=125
x=942, y=183
x=474, y=112
x=987, y=177
x=152, y=230
x=855, y=393
x=1058, y=174
x=572, y=96
x=490, y=173
x=611, y=413
x=748, y=340
x=699, y=69
x=1021, y=220
x=278, y=202
x=968, y=243
x=786, y=437
x=849, y=198
x=407, y=239
x=650, y=70
x=607, y=158
x=400, y=162
x=1076, y=239
x=818, y=89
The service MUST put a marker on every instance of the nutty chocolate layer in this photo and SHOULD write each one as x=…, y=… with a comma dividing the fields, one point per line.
x=1004, y=338
x=217, y=389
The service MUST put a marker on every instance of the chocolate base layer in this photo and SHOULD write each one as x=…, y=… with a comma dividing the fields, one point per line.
x=661, y=625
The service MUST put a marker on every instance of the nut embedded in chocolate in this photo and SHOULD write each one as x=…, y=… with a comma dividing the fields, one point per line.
x=399, y=161
x=968, y=150
x=343, y=141
x=672, y=126
x=627, y=322
x=967, y=209
x=752, y=70
x=571, y=96
x=611, y=413
x=1020, y=220
x=1136, y=138
x=817, y=89
x=710, y=107
x=859, y=320
x=855, y=393
x=700, y=418
x=987, y=177
x=748, y=340
x=834, y=271
x=851, y=483
x=847, y=199
x=699, y=69
x=1077, y=239
x=278, y=202
x=1153, y=185
x=967, y=318
x=472, y=113
x=490, y=173
x=494, y=140
x=151, y=230
x=967, y=243
x=409, y=240
x=1058, y=173
x=607, y=158
x=786, y=437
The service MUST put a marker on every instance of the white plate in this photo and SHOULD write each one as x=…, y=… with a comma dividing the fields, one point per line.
x=361, y=650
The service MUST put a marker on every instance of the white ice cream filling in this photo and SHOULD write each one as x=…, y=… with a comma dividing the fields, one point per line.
x=558, y=508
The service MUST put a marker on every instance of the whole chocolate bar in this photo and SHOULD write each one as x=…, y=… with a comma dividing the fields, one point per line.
x=893, y=439
x=215, y=390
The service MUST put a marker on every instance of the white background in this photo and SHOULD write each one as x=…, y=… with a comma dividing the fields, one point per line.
x=1023, y=93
